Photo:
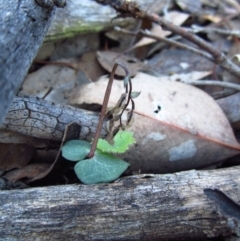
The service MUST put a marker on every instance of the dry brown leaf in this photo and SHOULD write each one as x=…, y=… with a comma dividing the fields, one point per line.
x=108, y=58
x=29, y=171
x=87, y=63
x=15, y=155
x=177, y=126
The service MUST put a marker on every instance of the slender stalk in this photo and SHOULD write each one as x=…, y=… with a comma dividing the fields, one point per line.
x=103, y=112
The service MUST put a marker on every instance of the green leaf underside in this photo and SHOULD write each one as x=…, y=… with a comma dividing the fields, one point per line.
x=75, y=150
x=122, y=141
x=102, y=168
x=135, y=94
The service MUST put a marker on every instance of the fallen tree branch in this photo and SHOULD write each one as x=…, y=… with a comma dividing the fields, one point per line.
x=43, y=119
x=182, y=206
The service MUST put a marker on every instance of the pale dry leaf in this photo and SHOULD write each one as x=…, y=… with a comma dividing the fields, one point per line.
x=177, y=126
x=212, y=18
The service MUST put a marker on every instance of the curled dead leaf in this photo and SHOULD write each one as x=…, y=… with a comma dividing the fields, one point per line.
x=107, y=59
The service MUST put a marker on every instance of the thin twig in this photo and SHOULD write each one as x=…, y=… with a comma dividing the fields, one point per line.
x=223, y=94
x=167, y=41
x=213, y=83
x=196, y=28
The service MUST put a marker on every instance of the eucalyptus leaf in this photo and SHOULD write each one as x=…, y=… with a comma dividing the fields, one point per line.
x=122, y=141
x=102, y=168
x=75, y=150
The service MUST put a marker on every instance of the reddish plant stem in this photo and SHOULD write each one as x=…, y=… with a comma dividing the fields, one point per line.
x=105, y=104
x=103, y=112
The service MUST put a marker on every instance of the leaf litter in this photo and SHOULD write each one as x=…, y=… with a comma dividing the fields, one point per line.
x=170, y=115
x=177, y=126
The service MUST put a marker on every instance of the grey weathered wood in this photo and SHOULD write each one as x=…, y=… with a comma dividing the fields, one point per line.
x=180, y=206
x=23, y=25
x=43, y=119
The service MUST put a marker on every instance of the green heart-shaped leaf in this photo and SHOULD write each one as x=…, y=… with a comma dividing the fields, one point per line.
x=101, y=168
x=75, y=150
x=122, y=141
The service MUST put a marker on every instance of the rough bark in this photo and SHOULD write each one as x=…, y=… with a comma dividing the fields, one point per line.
x=23, y=28
x=181, y=206
x=43, y=119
